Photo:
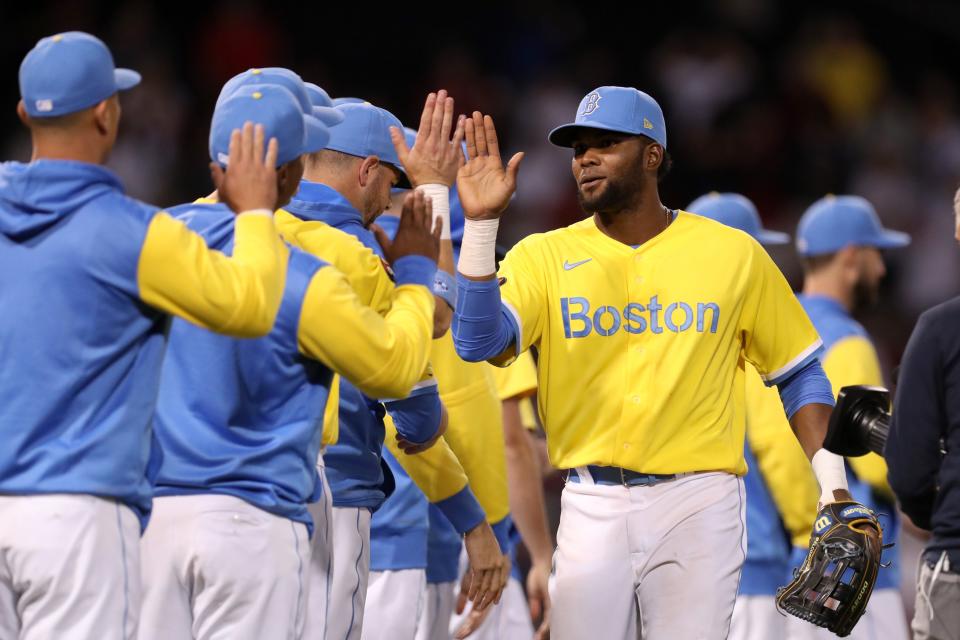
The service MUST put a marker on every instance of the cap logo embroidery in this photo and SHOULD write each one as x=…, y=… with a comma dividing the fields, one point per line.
x=647, y=124
x=593, y=103
x=44, y=105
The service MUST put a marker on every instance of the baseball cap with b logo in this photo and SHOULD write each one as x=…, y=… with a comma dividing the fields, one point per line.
x=834, y=222
x=313, y=100
x=620, y=109
x=365, y=131
x=280, y=114
x=70, y=72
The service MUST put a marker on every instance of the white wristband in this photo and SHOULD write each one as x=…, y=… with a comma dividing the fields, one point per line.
x=439, y=194
x=831, y=474
x=257, y=212
x=478, y=251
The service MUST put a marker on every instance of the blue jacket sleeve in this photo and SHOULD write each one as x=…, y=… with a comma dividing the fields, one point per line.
x=462, y=510
x=417, y=416
x=912, y=451
x=482, y=328
x=809, y=385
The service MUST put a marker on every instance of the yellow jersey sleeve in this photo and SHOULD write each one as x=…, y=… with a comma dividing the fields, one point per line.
x=239, y=295
x=331, y=414
x=851, y=361
x=783, y=464
x=777, y=334
x=437, y=471
x=475, y=429
x=518, y=380
x=523, y=292
x=384, y=356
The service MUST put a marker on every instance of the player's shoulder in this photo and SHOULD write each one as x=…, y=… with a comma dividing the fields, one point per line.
x=321, y=239
x=719, y=234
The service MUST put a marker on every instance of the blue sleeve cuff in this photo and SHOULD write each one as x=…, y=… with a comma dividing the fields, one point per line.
x=809, y=385
x=417, y=417
x=501, y=530
x=462, y=510
x=445, y=286
x=414, y=269
x=482, y=328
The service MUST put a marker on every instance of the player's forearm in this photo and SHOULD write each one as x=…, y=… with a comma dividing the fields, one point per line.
x=527, y=504
x=482, y=328
x=417, y=417
x=384, y=356
x=177, y=273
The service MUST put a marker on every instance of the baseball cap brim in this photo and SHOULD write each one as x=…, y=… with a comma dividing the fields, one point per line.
x=767, y=237
x=891, y=240
x=328, y=115
x=125, y=79
x=563, y=135
x=315, y=135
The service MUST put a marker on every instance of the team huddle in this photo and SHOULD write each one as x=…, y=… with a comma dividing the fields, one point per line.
x=297, y=407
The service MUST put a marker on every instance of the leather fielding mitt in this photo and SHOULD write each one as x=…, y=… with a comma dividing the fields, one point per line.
x=833, y=585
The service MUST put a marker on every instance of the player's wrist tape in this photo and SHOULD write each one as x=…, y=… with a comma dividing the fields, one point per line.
x=445, y=286
x=831, y=474
x=478, y=251
x=256, y=212
x=414, y=269
x=439, y=195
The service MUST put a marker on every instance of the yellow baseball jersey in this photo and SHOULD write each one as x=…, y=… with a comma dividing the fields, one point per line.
x=784, y=466
x=519, y=380
x=437, y=472
x=528, y=417
x=639, y=347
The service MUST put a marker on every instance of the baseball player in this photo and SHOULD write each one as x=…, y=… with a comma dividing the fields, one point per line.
x=779, y=482
x=641, y=316
x=341, y=188
x=92, y=275
x=839, y=239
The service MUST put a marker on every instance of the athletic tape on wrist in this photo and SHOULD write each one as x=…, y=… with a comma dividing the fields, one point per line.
x=439, y=194
x=478, y=251
x=830, y=472
x=445, y=286
x=256, y=212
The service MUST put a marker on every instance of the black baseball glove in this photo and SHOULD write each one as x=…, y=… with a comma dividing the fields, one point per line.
x=833, y=585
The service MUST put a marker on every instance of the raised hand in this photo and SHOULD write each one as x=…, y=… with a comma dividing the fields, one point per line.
x=416, y=234
x=484, y=185
x=435, y=157
x=250, y=180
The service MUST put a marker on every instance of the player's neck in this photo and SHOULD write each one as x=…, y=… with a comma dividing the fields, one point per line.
x=825, y=287
x=79, y=148
x=636, y=224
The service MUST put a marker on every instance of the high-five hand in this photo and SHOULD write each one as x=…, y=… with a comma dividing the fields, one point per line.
x=484, y=185
x=435, y=157
x=250, y=181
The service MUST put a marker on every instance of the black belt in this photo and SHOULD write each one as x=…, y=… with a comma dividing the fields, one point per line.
x=625, y=477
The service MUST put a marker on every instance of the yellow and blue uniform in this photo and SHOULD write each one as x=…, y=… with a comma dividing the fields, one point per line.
x=91, y=274
x=354, y=466
x=244, y=417
x=849, y=359
x=639, y=347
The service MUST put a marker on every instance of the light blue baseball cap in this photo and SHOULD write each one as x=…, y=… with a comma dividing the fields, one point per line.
x=70, y=72
x=737, y=211
x=280, y=114
x=318, y=95
x=834, y=222
x=314, y=103
x=365, y=131
x=347, y=100
x=621, y=109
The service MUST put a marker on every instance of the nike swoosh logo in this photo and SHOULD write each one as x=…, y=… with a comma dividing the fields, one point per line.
x=567, y=266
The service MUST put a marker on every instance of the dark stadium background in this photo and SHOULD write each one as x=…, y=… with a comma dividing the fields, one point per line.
x=782, y=101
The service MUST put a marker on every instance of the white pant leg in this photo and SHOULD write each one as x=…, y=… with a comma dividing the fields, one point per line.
x=694, y=562
x=321, y=561
x=756, y=618
x=165, y=549
x=884, y=619
x=592, y=587
x=515, y=621
x=351, y=568
x=71, y=567
x=394, y=603
x=437, y=611
x=244, y=570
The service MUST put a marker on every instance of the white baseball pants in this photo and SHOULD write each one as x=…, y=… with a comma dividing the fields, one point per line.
x=756, y=618
x=69, y=568
x=214, y=566
x=348, y=578
x=438, y=605
x=509, y=620
x=658, y=562
x=394, y=603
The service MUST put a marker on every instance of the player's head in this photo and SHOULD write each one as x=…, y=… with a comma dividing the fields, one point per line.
x=312, y=99
x=737, y=211
x=840, y=239
x=282, y=117
x=68, y=91
x=360, y=161
x=619, y=142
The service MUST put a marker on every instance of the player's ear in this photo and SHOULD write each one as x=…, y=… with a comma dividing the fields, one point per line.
x=104, y=115
x=653, y=156
x=22, y=113
x=367, y=170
